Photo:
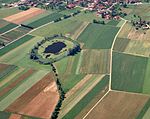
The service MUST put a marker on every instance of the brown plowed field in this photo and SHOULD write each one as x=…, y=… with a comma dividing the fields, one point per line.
x=118, y=105
x=18, y=80
x=3, y=67
x=23, y=16
x=38, y=101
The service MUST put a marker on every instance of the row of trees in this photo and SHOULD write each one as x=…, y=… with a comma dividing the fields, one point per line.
x=98, y=21
x=61, y=94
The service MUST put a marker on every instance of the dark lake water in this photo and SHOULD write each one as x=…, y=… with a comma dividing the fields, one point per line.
x=55, y=47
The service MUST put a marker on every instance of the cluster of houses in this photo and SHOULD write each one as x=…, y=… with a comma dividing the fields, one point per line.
x=105, y=8
x=141, y=24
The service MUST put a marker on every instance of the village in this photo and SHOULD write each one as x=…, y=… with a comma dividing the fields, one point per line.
x=108, y=9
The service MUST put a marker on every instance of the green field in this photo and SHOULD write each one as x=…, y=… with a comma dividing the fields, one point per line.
x=15, y=33
x=5, y=12
x=15, y=44
x=65, y=27
x=87, y=98
x=88, y=17
x=69, y=11
x=139, y=10
x=95, y=36
x=70, y=80
x=128, y=72
x=45, y=20
x=97, y=63
x=146, y=87
x=121, y=44
x=113, y=22
x=6, y=26
x=20, y=55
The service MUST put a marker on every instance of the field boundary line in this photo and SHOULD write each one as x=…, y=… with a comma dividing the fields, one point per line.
x=79, y=62
x=10, y=30
x=17, y=39
x=127, y=53
x=142, y=94
x=80, y=30
x=111, y=50
x=73, y=102
x=96, y=104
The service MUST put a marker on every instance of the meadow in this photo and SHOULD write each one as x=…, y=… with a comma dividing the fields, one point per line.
x=131, y=73
x=95, y=36
x=66, y=26
x=45, y=20
x=15, y=44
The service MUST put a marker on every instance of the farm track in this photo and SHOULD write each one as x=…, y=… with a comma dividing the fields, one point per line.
x=80, y=30
x=122, y=102
x=110, y=74
x=133, y=54
x=71, y=101
x=112, y=52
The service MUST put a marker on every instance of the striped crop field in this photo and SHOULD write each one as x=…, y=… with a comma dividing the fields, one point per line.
x=66, y=27
x=15, y=93
x=95, y=36
x=82, y=96
x=95, y=62
x=128, y=72
x=15, y=44
x=45, y=20
x=5, y=26
x=20, y=56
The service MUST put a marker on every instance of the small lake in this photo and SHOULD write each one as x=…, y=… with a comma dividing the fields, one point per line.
x=55, y=47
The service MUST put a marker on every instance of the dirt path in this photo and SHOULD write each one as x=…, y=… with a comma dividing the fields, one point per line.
x=72, y=100
x=79, y=30
x=79, y=85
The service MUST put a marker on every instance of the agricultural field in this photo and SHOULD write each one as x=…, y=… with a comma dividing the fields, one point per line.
x=99, y=39
x=133, y=41
x=15, y=33
x=139, y=10
x=121, y=102
x=106, y=77
x=15, y=44
x=5, y=12
x=14, y=92
x=97, y=63
x=6, y=26
x=24, y=15
x=88, y=88
x=66, y=27
x=131, y=74
x=45, y=20
x=20, y=55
